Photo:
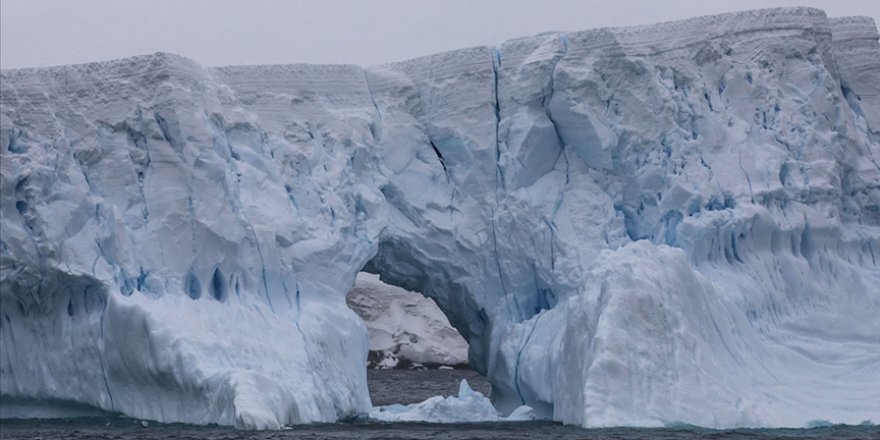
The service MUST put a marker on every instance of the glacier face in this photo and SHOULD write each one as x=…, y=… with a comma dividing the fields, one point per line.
x=636, y=226
x=165, y=258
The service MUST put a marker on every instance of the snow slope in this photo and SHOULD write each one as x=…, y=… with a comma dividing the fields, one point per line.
x=404, y=326
x=636, y=226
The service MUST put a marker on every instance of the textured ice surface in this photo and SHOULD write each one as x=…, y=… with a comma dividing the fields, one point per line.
x=468, y=406
x=404, y=325
x=637, y=226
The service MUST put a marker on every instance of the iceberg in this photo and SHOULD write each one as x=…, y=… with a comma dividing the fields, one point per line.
x=673, y=223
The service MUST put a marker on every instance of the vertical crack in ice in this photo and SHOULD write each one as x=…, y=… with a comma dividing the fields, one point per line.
x=499, y=184
x=298, y=304
x=291, y=196
x=552, y=244
x=370, y=94
x=748, y=179
x=166, y=133
x=163, y=127
x=310, y=359
x=551, y=86
x=9, y=348
x=192, y=215
x=101, y=254
x=100, y=353
x=263, y=276
x=516, y=375
x=545, y=103
x=265, y=281
x=440, y=158
x=734, y=249
x=501, y=271
x=286, y=293
x=496, y=70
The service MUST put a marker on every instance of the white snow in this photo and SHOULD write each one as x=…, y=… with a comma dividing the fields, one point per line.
x=404, y=325
x=469, y=406
x=676, y=223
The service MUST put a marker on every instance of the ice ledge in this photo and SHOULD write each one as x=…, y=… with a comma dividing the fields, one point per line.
x=121, y=78
x=119, y=66
x=853, y=28
x=668, y=35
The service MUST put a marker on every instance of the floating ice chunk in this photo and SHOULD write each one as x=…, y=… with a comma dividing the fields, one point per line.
x=468, y=406
x=523, y=413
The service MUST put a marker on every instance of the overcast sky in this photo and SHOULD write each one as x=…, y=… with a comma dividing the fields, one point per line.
x=222, y=32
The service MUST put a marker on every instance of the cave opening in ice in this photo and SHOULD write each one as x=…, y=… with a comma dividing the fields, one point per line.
x=406, y=329
x=398, y=266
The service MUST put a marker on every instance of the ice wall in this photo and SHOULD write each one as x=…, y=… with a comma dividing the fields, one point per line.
x=661, y=224
x=172, y=251
x=729, y=138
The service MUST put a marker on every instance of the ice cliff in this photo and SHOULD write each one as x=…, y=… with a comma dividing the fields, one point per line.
x=635, y=226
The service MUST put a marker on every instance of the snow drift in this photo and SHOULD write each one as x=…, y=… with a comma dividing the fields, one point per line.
x=636, y=226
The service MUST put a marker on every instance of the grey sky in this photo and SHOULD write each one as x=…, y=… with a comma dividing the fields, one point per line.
x=221, y=32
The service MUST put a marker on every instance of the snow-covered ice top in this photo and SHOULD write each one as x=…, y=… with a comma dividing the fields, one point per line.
x=630, y=226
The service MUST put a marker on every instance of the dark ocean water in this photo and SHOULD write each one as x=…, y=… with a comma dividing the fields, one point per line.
x=400, y=386
x=414, y=386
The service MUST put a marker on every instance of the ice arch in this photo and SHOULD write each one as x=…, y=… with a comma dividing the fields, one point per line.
x=672, y=223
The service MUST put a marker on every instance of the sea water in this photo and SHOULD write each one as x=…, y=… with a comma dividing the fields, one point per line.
x=401, y=386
